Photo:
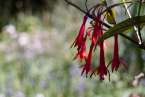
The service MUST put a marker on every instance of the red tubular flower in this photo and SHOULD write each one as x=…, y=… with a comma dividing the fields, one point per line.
x=81, y=54
x=87, y=67
x=115, y=61
x=79, y=39
x=102, y=69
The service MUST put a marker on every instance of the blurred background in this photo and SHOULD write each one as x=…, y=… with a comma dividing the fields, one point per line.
x=36, y=59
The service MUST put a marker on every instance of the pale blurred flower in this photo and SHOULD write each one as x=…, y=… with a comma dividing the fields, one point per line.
x=19, y=94
x=29, y=53
x=2, y=95
x=37, y=45
x=39, y=95
x=23, y=39
x=11, y=30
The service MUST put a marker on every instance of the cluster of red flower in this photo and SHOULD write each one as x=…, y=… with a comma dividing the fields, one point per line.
x=94, y=33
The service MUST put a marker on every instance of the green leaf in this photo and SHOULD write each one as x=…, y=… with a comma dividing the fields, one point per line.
x=123, y=26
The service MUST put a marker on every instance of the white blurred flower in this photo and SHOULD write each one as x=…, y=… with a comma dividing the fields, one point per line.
x=39, y=95
x=23, y=39
x=11, y=30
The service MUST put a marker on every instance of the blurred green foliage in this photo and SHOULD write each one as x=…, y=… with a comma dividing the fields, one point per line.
x=36, y=59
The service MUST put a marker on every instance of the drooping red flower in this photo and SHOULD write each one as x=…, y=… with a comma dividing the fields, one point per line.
x=97, y=33
x=102, y=69
x=115, y=61
x=81, y=54
x=79, y=39
x=87, y=66
x=94, y=36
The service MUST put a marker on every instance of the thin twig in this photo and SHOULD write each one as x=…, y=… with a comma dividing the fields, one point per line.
x=86, y=5
x=72, y=4
x=135, y=27
x=139, y=9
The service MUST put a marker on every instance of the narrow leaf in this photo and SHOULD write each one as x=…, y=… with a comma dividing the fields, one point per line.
x=123, y=26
